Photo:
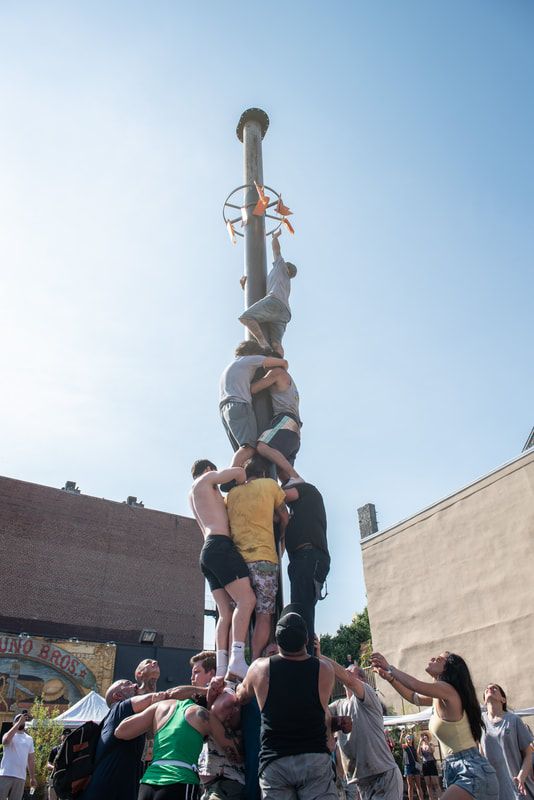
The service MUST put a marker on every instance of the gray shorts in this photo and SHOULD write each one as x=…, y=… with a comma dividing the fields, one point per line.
x=308, y=777
x=384, y=786
x=11, y=787
x=269, y=311
x=240, y=424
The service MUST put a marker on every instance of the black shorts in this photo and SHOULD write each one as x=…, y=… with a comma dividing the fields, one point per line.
x=220, y=562
x=430, y=768
x=169, y=791
x=283, y=435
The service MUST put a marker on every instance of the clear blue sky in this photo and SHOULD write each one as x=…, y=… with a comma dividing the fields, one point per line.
x=401, y=136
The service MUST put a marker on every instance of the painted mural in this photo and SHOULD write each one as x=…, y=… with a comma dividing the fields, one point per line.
x=58, y=672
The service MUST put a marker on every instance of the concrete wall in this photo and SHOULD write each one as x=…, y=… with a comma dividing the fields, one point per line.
x=74, y=565
x=459, y=576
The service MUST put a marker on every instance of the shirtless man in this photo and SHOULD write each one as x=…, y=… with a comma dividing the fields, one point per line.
x=222, y=565
x=280, y=443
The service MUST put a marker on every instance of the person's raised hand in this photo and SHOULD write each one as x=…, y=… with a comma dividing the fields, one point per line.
x=215, y=688
x=317, y=646
x=378, y=660
x=383, y=674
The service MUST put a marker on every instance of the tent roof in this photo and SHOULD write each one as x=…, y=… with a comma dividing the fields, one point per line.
x=91, y=707
x=409, y=719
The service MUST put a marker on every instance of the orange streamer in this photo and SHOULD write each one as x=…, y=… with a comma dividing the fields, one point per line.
x=282, y=209
x=263, y=201
x=231, y=232
x=288, y=225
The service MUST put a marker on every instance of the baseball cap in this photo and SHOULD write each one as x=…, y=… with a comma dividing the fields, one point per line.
x=291, y=630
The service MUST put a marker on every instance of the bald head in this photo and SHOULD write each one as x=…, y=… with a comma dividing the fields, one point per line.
x=227, y=710
x=358, y=671
x=120, y=690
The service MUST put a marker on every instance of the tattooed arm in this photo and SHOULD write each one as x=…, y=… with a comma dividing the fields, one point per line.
x=199, y=719
x=226, y=740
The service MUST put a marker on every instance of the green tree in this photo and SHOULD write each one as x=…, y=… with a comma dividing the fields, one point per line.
x=352, y=640
x=46, y=734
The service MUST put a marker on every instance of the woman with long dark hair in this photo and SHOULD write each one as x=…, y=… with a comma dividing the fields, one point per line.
x=507, y=745
x=456, y=722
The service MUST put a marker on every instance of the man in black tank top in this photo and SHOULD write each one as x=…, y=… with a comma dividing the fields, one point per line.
x=292, y=690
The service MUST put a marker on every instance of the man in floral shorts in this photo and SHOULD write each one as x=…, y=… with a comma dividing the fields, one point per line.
x=251, y=508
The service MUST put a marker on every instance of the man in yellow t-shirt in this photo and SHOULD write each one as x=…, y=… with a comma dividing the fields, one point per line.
x=251, y=508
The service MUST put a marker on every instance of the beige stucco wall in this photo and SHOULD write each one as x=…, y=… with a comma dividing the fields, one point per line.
x=460, y=576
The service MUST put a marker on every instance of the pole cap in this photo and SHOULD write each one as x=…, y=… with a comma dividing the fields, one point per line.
x=255, y=114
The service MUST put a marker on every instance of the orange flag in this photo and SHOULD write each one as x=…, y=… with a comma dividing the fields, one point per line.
x=231, y=232
x=288, y=225
x=263, y=201
x=282, y=209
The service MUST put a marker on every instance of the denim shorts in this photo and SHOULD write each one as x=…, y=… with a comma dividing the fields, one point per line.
x=469, y=770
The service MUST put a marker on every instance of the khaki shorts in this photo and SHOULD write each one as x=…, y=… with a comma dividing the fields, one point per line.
x=264, y=579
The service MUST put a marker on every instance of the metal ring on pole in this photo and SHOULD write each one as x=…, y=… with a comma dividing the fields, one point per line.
x=228, y=205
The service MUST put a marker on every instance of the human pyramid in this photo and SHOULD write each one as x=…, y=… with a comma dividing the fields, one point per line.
x=240, y=556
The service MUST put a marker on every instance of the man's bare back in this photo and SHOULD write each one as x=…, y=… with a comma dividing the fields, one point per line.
x=207, y=503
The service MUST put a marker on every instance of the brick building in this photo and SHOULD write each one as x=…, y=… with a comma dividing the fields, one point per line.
x=104, y=583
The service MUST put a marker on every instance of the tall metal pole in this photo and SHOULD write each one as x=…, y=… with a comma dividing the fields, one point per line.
x=251, y=129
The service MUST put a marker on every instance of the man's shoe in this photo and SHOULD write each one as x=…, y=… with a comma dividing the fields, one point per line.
x=292, y=482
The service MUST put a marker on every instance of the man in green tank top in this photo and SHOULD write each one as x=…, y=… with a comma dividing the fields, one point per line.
x=179, y=727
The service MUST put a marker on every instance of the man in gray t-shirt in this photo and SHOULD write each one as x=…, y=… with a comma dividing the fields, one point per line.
x=369, y=765
x=272, y=311
x=506, y=741
x=235, y=398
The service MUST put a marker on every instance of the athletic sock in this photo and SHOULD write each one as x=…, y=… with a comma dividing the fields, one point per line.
x=238, y=666
x=222, y=663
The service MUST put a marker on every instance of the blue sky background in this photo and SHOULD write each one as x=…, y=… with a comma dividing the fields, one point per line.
x=401, y=136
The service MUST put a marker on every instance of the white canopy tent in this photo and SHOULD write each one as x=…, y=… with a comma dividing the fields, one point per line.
x=92, y=708
x=408, y=719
